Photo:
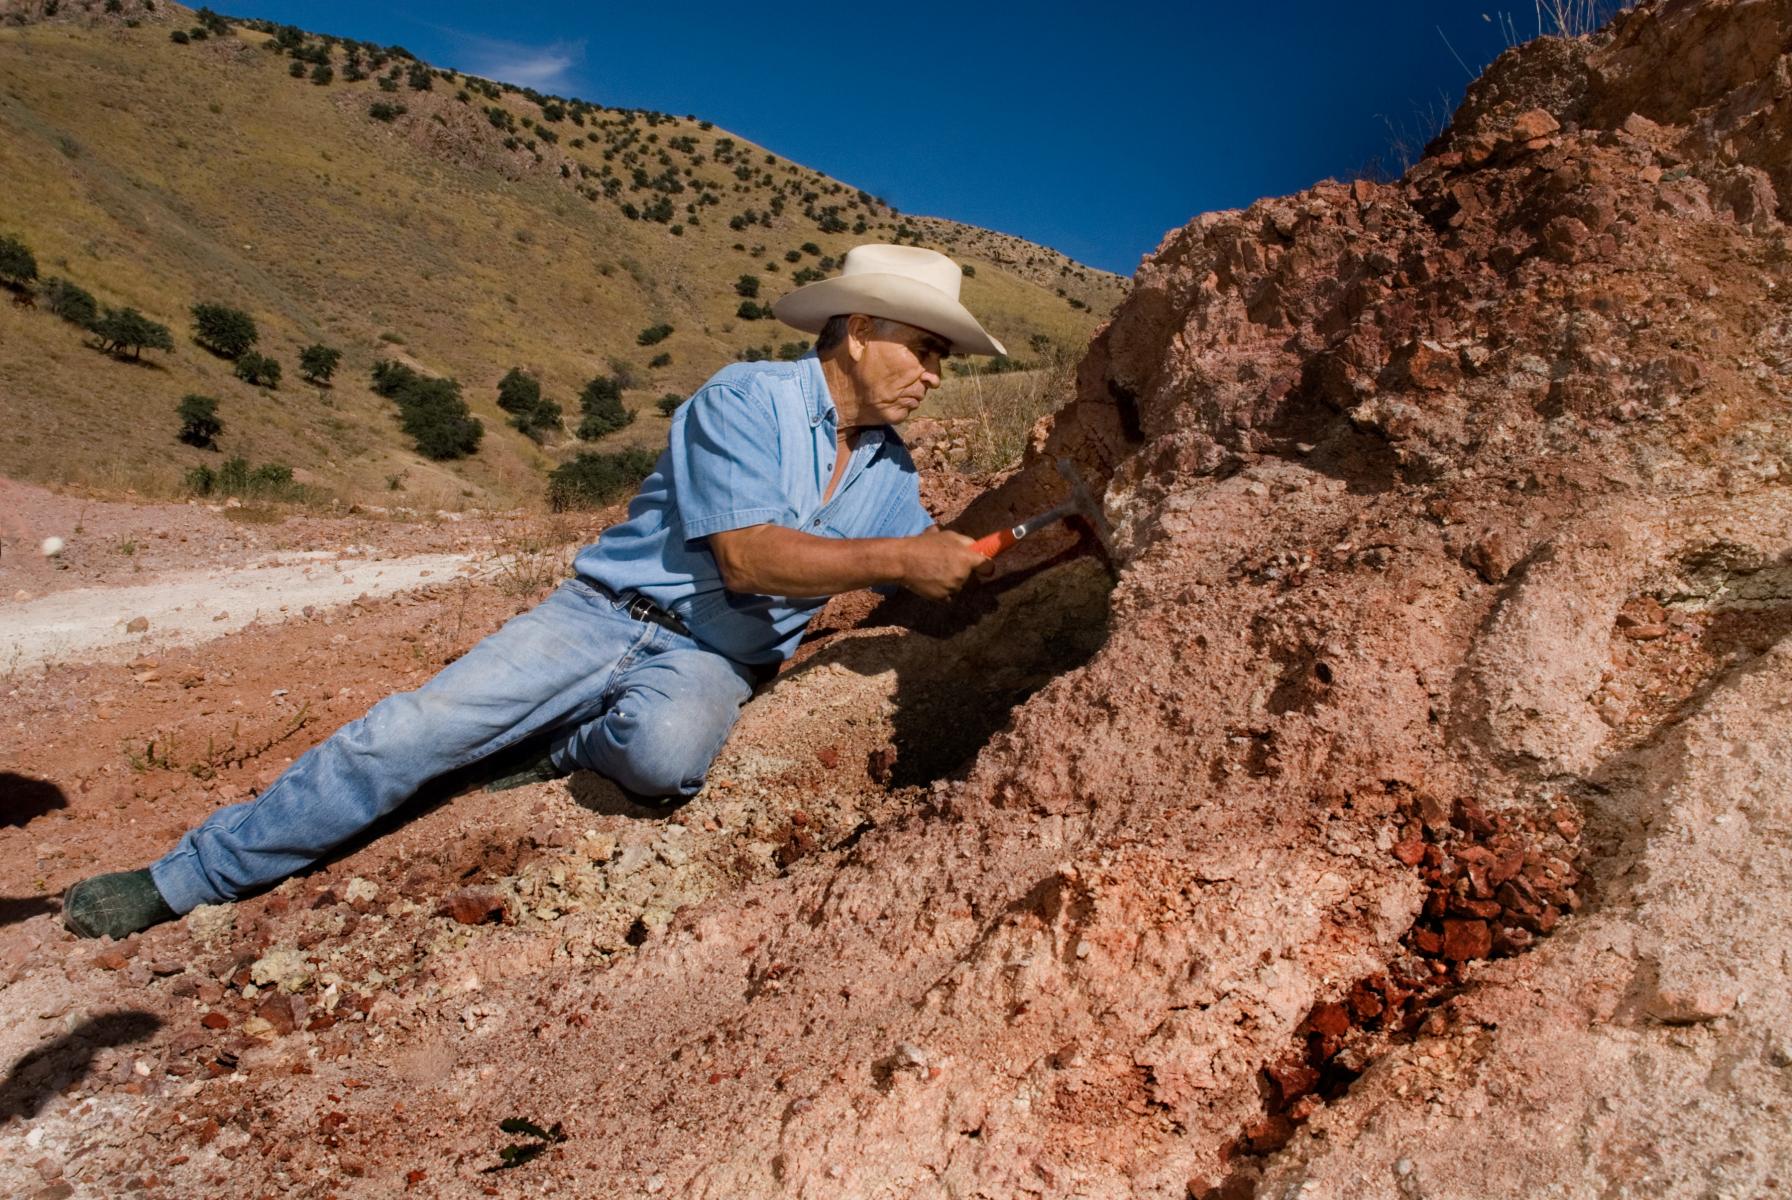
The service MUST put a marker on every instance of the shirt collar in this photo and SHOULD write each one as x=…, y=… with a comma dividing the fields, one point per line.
x=815, y=391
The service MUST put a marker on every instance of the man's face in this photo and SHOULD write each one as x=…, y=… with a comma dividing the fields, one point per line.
x=899, y=366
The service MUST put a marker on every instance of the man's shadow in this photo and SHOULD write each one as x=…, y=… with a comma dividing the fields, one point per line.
x=24, y=799
x=53, y=1068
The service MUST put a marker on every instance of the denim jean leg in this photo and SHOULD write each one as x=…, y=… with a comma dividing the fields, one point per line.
x=548, y=667
x=667, y=720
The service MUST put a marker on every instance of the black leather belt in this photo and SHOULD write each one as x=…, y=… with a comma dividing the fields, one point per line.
x=642, y=609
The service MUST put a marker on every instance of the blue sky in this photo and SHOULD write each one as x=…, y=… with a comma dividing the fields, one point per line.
x=1091, y=128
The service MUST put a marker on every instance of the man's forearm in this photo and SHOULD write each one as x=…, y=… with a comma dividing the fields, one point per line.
x=773, y=560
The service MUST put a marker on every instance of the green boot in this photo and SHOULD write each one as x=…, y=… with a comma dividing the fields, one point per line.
x=116, y=905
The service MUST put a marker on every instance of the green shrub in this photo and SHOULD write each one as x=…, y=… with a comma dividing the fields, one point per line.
x=317, y=363
x=659, y=360
x=388, y=84
x=199, y=423
x=179, y=37
x=793, y=256
x=601, y=404
x=750, y=311
x=258, y=369
x=435, y=418
x=17, y=264
x=73, y=304
x=748, y=286
x=322, y=74
x=970, y=272
x=594, y=480
x=419, y=78
x=296, y=70
x=520, y=396
x=430, y=411
x=390, y=377
x=121, y=329
x=224, y=331
x=668, y=403
x=237, y=478
x=791, y=351
x=653, y=334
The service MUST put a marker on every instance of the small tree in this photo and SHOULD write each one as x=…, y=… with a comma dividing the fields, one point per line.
x=227, y=332
x=668, y=403
x=121, y=329
x=258, y=369
x=17, y=264
x=601, y=404
x=73, y=304
x=199, y=423
x=317, y=363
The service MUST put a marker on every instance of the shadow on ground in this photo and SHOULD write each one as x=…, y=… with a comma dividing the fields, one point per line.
x=53, y=1068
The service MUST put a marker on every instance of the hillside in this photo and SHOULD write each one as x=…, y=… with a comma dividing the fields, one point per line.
x=481, y=228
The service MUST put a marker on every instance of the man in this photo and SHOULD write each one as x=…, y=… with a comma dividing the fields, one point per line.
x=782, y=484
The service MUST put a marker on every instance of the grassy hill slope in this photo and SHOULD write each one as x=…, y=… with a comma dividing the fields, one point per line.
x=469, y=235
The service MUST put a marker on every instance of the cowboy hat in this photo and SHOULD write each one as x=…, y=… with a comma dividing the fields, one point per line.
x=902, y=283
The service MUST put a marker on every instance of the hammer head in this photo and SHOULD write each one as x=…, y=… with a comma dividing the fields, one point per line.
x=1088, y=508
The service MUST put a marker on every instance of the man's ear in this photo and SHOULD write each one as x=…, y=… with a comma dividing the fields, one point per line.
x=859, y=329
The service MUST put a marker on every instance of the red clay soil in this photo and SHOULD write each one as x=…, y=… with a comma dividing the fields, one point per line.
x=1415, y=795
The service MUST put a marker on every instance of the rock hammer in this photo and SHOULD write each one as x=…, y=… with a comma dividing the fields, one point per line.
x=1081, y=506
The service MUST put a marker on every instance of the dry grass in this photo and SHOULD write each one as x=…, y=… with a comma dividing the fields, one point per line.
x=538, y=553
x=1003, y=408
x=223, y=179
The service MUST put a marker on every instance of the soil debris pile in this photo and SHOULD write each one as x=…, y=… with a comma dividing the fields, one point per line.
x=1419, y=794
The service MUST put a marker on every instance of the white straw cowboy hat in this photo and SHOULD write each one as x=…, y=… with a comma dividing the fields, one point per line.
x=902, y=283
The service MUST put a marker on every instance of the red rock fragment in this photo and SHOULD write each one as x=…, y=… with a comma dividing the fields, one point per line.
x=474, y=906
x=1427, y=941
x=1365, y=1001
x=1409, y=851
x=1329, y=1019
x=828, y=756
x=1471, y=818
x=109, y=960
x=1532, y=124
x=1466, y=939
x=215, y=1020
x=1270, y=1133
x=1293, y=1079
x=285, y=1013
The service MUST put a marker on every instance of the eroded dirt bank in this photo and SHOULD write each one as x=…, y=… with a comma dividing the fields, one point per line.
x=1408, y=820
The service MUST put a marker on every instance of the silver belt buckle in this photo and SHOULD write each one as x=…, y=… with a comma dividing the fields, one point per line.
x=640, y=608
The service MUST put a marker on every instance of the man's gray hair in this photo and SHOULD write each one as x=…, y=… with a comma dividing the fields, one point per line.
x=834, y=332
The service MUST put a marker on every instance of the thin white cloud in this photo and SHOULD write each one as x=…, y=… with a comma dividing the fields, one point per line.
x=545, y=68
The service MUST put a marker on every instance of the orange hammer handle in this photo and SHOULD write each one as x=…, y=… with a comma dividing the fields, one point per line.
x=993, y=544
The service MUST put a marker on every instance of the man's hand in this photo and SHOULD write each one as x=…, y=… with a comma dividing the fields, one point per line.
x=939, y=563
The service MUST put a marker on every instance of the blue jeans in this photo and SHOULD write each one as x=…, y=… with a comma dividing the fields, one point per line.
x=647, y=707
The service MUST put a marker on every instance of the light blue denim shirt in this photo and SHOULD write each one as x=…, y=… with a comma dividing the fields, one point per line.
x=754, y=446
